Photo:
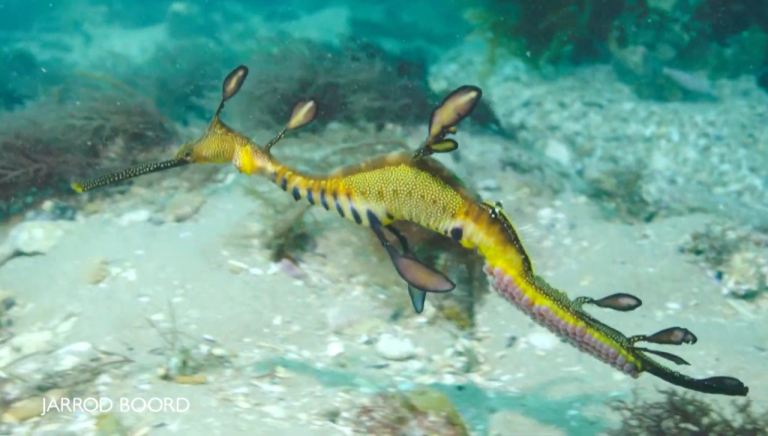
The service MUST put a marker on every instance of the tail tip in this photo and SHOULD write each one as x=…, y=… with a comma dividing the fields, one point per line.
x=725, y=385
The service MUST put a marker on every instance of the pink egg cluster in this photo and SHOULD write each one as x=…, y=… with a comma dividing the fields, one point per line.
x=576, y=335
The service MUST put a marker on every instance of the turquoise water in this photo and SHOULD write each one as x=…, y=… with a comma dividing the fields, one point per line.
x=625, y=140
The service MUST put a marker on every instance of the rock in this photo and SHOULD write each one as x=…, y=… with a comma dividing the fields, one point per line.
x=24, y=344
x=277, y=412
x=334, y=349
x=73, y=355
x=183, y=207
x=543, y=340
x=97, y=271
x=559, y=152
x=394, y=348
x=32, y=237
x=745, y=275
x=136, y=216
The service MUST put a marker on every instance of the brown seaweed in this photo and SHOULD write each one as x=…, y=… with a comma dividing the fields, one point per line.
x=90, y=124
x=684, y=414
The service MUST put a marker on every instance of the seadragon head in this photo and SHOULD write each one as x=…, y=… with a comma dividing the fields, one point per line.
x=217, y=145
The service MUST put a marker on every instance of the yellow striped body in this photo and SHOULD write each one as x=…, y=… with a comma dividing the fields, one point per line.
x=395, y=187
x=390, y=188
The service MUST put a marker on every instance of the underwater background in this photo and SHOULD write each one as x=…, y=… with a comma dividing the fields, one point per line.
x=626, y=139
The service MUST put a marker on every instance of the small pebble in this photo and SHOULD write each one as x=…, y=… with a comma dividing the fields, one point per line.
x=543, y=340
x=334, y=349
x=394, y=348
x=137, y=216
x=276, y=412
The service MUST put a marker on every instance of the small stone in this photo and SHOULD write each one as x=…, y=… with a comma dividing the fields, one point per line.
x=277, y=412
x=183, y=207
x=97, y=271
x=129, y=274
x=559, y=152
x=103, y=380
x=24, y=344
x=334, y=349
x=36, y=237
x=66, y=325
x=219, y=352
x=331, y=414
x=137, y=216
x=73, y=355
x=394, y=348
x=543, y=340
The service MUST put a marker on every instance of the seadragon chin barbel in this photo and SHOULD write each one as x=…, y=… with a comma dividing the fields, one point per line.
x=417, y=188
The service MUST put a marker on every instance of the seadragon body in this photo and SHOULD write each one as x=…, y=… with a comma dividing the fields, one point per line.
x=418, y=188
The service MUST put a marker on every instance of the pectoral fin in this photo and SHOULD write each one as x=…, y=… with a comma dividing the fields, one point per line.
x=672, y=336
x=303, y=113
x=454, y=108
x=444, y=146
x=621, y=302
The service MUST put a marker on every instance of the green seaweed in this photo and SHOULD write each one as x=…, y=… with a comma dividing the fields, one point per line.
x=89, y=124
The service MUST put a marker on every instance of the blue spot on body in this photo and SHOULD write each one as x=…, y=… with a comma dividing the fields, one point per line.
x=339, y=209
x=324, y=199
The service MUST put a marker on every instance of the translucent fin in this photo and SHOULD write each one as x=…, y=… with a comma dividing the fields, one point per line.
x=303, y=113
x=672, y=336
x=620, y=302
x=417, y=298
x=233, y=82
x=456, y=106
x=231, y=86
x=444, y=146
